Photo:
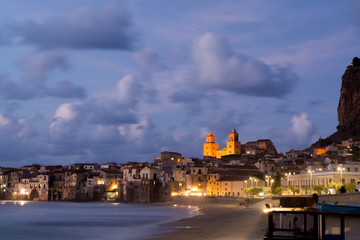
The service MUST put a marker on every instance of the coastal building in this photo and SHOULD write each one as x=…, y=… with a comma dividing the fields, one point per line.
x=334, y=173
x=235, y=178
x=233, y=186
x=196, y=179
x=233, y=146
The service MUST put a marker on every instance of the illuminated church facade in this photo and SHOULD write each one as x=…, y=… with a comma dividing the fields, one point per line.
x=233, y=146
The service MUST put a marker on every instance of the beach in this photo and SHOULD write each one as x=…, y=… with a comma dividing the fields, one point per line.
x=220, y=222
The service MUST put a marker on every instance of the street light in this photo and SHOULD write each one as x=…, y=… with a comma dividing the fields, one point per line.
x=252, y=182
x=340, y=169
x=311, y=172
x=287, y=179
x=267, y=180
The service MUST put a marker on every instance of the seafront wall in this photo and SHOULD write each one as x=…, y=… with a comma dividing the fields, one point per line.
x=343, y=198
x=195, y=200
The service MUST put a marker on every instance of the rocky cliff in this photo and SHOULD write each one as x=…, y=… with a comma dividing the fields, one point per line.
x=349, y=104
x=349, y=107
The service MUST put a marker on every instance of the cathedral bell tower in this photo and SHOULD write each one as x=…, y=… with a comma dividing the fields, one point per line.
x=210, y=147
x=233, y=145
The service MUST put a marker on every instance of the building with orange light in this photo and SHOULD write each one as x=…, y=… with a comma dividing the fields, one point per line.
x=233, y=146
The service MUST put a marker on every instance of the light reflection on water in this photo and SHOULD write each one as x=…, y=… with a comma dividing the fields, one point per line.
x=64, y=220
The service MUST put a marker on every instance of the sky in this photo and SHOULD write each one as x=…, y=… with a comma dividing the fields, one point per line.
x=117, y=81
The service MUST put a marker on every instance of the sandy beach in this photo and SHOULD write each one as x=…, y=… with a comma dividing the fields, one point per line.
x=220, y=222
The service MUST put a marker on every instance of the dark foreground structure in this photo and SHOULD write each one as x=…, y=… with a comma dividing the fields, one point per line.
x=312, y=224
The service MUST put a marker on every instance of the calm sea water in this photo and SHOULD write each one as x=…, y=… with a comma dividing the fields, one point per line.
x=63, y=220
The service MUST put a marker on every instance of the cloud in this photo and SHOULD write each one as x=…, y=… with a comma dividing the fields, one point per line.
x=15, y=141
x=85, y=130
x=36, y=71
x=220, y=67
x=37, y=68
x=302, y=130
x=65, y=89
x=127, y=90
x=147, y=59
x=217, y=70
x=72, y=120
x=85, y=28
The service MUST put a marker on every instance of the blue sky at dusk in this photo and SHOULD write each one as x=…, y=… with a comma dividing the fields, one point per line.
x=99, y=81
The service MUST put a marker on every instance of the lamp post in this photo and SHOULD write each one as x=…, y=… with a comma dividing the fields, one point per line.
x=287, y=179
x=340, y=169
x=246, y=183
x=311, y=172
x=252, y=182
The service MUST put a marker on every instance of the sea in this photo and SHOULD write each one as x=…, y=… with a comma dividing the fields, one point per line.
x=69, y=220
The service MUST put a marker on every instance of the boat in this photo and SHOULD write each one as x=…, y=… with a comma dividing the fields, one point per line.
x=325, y=207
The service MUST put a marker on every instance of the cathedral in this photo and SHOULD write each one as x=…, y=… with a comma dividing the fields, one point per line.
x=233, y=146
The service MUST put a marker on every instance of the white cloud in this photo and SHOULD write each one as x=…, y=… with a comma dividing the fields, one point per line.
x=128, y=90
x=65, y=119
x=67, y=111
x=220, y=67
x=302, y=129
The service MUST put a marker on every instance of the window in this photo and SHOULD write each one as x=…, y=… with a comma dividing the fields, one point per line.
x=356, y=169
x=348, y=169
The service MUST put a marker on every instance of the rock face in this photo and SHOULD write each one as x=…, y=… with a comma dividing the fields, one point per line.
x=348, y=109
x=349, y=104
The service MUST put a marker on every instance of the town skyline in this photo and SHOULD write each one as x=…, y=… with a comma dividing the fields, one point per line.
x=119, y=81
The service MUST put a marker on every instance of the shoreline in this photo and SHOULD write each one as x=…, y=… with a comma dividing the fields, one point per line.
x=211, y=220
x=217, y=221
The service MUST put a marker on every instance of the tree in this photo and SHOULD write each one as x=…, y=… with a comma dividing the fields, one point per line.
x=278, y=190
x=350, y=187
x=276, y=183
x=318, y=188
x=335, y=186
x=253, y=191
x=356, y=62
x=294, y=190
